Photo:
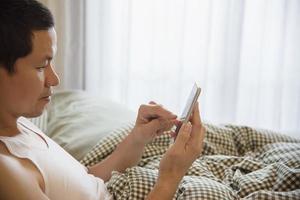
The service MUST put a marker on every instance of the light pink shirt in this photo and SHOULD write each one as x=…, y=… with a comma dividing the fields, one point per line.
x=64, y=177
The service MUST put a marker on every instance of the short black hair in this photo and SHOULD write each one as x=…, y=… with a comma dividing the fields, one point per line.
x=18, y=20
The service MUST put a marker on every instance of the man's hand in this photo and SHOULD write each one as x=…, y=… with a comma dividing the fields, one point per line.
x=186, y=149
x=179, y=157
x=152, y=121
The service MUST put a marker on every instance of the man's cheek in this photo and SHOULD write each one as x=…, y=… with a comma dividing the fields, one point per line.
x=41, y=76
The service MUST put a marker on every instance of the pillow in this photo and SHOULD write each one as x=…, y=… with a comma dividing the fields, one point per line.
x=78, y=120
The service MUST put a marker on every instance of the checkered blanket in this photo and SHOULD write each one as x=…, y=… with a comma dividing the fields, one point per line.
x=238, y=162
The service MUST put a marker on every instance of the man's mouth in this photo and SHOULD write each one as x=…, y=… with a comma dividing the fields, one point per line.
x=46, y=97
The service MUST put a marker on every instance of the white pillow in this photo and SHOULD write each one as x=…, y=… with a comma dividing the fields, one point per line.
x=77, y=120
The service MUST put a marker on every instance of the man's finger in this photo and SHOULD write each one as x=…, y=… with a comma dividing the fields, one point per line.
x=154, y=125
x=198, y=129
x=183, y=135
x=196, y=119
x=156, y=111
x=165, y=125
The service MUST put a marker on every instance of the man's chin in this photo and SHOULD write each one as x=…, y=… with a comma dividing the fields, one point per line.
x=34, y=114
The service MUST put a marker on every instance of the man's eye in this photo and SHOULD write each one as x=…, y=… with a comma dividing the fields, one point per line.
x=40, y=69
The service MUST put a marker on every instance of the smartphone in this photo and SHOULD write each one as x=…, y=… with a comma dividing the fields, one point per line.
x=189, y=106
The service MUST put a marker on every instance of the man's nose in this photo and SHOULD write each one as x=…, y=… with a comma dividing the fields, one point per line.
x=52, y=78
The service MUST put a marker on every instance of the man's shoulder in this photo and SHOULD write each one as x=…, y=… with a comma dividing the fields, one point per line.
x=5, y=162
x=14, y=173
x=10, y=171
x=16, y=181
x=8, y=164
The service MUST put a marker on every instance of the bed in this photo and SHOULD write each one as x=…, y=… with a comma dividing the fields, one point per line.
x=238, y=162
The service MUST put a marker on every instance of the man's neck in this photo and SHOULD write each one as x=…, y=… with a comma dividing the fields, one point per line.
x=8, y=125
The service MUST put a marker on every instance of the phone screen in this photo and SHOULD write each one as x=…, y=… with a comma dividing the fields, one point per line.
x=189, y=106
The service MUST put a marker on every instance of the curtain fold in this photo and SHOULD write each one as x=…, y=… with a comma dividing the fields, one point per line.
x=243, y=53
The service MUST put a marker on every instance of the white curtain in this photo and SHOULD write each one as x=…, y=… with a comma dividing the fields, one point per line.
x=245, y=55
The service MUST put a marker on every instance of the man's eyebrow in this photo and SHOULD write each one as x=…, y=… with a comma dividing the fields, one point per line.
x=48, y=58
x=44, y=60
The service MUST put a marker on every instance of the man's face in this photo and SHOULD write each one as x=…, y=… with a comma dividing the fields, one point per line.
x=28, y=90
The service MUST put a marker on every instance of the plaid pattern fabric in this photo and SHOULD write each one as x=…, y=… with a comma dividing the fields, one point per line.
x=238, y=162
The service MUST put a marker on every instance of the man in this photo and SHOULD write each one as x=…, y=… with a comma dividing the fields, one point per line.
x=32, y=166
